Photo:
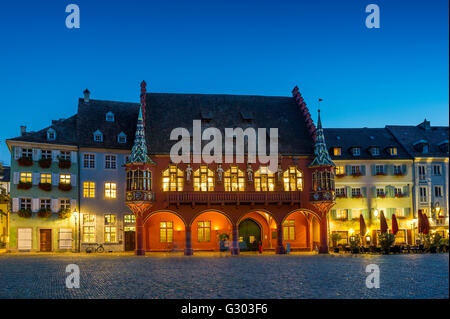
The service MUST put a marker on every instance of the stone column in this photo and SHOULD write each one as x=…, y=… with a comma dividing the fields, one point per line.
x=188, y=251
x=235, y=241
x=323, y=249
x=140, y=251
x=280, y=247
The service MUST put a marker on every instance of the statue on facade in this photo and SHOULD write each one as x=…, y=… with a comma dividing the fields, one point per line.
x=249, y=172
x=219, y=173
x=279, y=173
x=188, y=173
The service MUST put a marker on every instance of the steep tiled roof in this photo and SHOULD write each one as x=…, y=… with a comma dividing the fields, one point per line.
x=5, y=172
x=365, y=138
x=433, y=135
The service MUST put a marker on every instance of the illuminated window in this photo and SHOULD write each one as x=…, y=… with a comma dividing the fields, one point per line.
x=139, y=180
x=399, y=212
x=337, y=151
x=264, y=180
x=344, y=237
x=340, y=170
x=356, y=191
x=204, y=231
x=400, y=237
x=289, y=229
x=89, y=234
x=341, y=214
x=173, y=179
x=110, y=234
x=88, y=218
x=392, y=151
x=110, y=190
x=129, y=228
x=293, y=179
x=166, y=232
x=129, y=219
x=25, y=177
x=110, y=219
x=65, y=204
x=89, y=189
x=46, y=178
x=204, y=179
x=64, y=179
x=234, y=180
x=323, y=180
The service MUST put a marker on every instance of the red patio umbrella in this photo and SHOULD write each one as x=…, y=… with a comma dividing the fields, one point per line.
x=362, y=226
x=383, y=223
x=394, y=224
x=426, y=224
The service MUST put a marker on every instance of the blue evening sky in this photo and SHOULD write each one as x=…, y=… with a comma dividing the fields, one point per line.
x=397, y=74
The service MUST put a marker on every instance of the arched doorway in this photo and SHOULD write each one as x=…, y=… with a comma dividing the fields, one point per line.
x=299, y=230
x=249, y=235
x=207, y=228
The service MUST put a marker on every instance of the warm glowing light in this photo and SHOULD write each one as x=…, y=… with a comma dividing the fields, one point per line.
x=375, y=212
x=75, y=214
x=351, y=231
x=216, y=228
x=368, y=232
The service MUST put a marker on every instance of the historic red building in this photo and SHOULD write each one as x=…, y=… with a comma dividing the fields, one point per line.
x=202, y=207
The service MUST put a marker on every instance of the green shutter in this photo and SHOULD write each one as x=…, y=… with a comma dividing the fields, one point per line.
x=363, y=170
x=390, y=169
x=404, y=169
x=374, y=171
x=407, y=212
x=406, y=190
x=390, y=191
x=372, y=213
x=348, y=190
x=349, y=214
x=389, y=212
x=348, y=169
x=364, y=191
x=333, y=213
x=374, y=191
x=365, y=213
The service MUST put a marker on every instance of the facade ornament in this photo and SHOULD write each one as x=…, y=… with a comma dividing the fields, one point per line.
x=279, y=173
x=219, y=173
x=249, y=172
x=188, y=173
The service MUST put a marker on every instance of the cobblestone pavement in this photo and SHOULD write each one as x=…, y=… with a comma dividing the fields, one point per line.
x=267, y=276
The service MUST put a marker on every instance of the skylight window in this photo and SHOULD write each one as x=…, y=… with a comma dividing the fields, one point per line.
x=51, y=134
x=110, y=117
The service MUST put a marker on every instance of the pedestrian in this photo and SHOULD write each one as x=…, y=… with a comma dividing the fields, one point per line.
x=260, y=249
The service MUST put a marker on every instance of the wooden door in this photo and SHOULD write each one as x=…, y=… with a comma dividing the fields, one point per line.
x=46, y=239
x=130, y=240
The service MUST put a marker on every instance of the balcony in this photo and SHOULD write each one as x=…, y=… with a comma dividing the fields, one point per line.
x=232, y=197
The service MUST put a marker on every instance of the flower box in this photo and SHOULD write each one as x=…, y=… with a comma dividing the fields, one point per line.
x=380, y=173
x=65, y=187
x=399, y=174
x=24, y=185
x=64, y=164
x=64, y=213
x=340, y=196
x=399, y=195
x=45, y=186
x=356, y=174
x=24, y=213
x=381, y=196
x=25, y=161
x=357, y=196
x=44, y=213
x=45, y=162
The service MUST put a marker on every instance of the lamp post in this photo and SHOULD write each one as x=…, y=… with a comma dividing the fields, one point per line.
x=75, y=215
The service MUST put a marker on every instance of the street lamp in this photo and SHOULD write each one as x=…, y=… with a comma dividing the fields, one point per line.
x=75, y=215
x=375, y=212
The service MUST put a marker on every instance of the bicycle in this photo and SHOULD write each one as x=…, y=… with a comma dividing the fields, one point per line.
x=98, y=249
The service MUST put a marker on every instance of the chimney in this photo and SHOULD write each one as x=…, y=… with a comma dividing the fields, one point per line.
x=86, y=96
x=23, y=130
x=425, y=125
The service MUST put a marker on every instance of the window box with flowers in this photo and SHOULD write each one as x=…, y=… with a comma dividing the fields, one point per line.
x=356, y=174
x=65, y=187
x=45, y=186
x=24, y=185
x=45, y=162
x=357, y=196
x=64, y=163
x=24, y=213
x=380, y=174
x=25, y=161
x=399, y=195
x=381, y=195
x=340, y=195
x=340, y=175
x=64, y=213
x=44, y=212
x=399, y=174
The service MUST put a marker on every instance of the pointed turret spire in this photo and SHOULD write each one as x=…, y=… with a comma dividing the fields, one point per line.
x=322, y=157
x=139, y=150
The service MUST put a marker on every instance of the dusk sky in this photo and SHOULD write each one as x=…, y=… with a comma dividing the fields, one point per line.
x=397, y=74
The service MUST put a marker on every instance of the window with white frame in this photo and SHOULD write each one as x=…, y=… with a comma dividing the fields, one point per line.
x=422, y=172
x=356, y=151
x=437, y=191
x=25, y=203
x=51, y=134
x=26, y=177
x=45, y=204
x=380, y=192
x=340, y=170
x=398, y=191
x=340, y=192
x=64, y=178
x=356, y=191
x=110, y=161
x=341, y=214
x=46, y=154
x=88, y=160
x=65, y=204
x=379, y=169
x=89, y=228
x=375, y=151
x=110, y=190
x=356, y=169
x=397, y=169
x=129, y=219
x=110, y=117
x=122, y=138
x=399, y=212
x=423, y=198
x=46, y=178
x=27, y=152
x=437, y=169
x=98, y=136
x=64, y=155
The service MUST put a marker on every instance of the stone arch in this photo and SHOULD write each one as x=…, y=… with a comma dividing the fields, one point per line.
x=165, y=211
x=164, y=230
x=301, y=230
x=209, y=211
x=241, y=216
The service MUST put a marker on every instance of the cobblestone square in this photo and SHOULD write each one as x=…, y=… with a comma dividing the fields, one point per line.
x=245, y=276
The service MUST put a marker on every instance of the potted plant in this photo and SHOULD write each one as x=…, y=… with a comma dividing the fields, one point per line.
x=24, y=185
x=432, y=242
x=64, y=213
x=386, y=241
x=45, y=162
x=25, y=161
x=335, y=237
x=25, y=213
x=64, y=163
x=443, y=245
x=355, y=241
x=65, y=187
x=44, y=212
x=45, y=186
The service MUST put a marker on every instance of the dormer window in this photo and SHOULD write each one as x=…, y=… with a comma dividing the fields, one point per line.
x=337, y=151
x=375, y=151
x=51, y=134
x=110, y=117
x=392, y=151
x=98, y=136
x=421, y=146
x=443, y=146
x=122, y=138
x=356, y=151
